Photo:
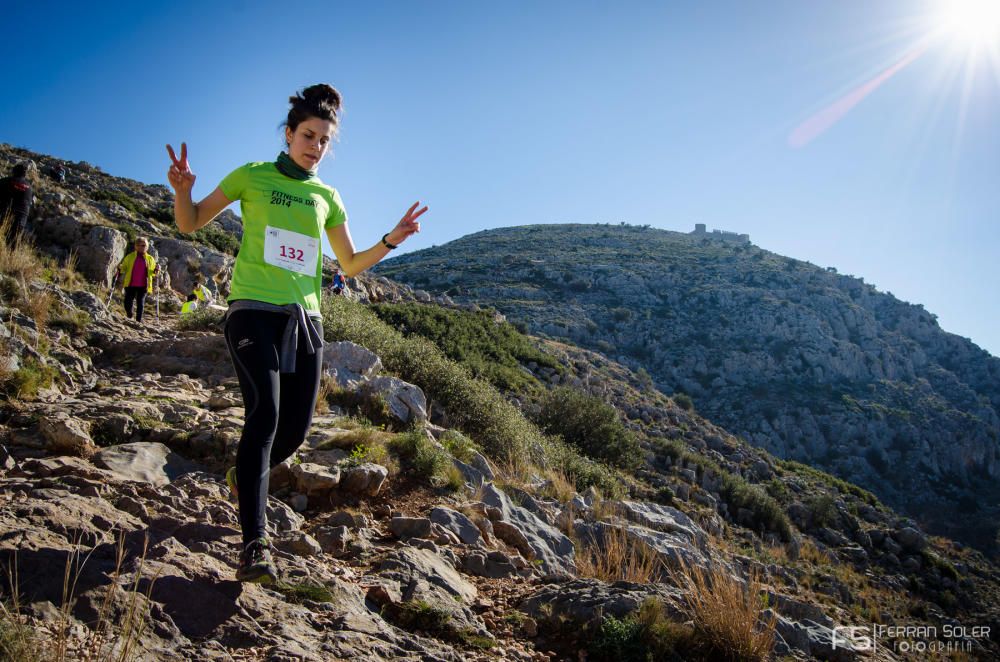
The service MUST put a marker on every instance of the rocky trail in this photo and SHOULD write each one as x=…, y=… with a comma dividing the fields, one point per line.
x=116, y=529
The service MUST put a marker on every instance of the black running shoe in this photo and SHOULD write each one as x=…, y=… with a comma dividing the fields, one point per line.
x=256, y=564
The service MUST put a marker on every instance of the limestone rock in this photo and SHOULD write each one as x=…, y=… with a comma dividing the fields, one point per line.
x=349, y=364
x=65, y=434
x=550, y=547
x=410, y=527
x=406, y=402
x=457, y=523
x=144, y=461
x=365, y=479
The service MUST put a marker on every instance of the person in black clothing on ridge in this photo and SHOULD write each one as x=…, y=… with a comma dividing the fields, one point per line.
x=15, y=200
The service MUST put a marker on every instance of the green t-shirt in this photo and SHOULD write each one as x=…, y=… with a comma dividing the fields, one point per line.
x=280, y=260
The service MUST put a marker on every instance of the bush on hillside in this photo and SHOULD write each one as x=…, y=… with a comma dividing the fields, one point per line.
x=591, y=425
x=493, y=351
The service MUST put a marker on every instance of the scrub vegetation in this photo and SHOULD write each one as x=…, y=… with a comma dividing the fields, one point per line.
x=477, y=407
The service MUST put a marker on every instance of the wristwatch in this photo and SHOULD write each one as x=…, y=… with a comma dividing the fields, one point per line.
x=386, y=243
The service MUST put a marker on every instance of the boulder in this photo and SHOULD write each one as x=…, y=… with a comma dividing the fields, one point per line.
x=582, y=601
x=99, y=254
x=144, y=461
x=350, y=364
x=457, y=523
x=64, y=231
x=315, y=479
x=365, y=480
x=406, y=402
x=410, y=527
x=663, y=518
x=65, y=434
x=186, y=260
x=549, y=546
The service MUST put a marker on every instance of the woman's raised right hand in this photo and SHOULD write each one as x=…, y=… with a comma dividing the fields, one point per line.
x=180, y=175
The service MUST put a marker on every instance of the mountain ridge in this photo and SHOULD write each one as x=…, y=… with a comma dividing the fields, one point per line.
x=807, y=363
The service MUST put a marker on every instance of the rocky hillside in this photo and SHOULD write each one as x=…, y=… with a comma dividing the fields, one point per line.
x=809, y=364
x=427, y=516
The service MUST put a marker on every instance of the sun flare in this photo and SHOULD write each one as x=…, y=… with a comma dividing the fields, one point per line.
x=970, y=23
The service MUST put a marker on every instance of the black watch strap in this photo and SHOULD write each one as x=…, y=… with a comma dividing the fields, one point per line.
x=386, y=243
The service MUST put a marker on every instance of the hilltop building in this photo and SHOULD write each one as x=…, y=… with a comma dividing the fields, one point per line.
x=721, y=235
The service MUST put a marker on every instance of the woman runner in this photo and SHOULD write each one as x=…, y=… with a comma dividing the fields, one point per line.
x=273, y=326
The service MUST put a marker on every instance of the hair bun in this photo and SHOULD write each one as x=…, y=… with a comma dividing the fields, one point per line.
x=321, y=94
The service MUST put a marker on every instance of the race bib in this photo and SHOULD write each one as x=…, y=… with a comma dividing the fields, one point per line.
x=291, y=250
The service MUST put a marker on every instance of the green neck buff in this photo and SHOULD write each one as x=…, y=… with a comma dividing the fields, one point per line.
x=289, y=168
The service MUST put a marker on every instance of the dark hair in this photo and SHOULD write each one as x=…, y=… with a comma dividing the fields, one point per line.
x=320, y=100
x=192, y=297
x=19, y=170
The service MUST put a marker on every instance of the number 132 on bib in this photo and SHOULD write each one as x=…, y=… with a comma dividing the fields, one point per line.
x=292, y=251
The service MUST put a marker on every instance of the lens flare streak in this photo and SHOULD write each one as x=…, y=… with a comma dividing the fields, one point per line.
x=819, y=123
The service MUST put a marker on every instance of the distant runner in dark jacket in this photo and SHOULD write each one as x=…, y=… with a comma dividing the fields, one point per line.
x=15, y=200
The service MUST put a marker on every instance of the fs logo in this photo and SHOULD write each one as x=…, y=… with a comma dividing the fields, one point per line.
x=854, y=637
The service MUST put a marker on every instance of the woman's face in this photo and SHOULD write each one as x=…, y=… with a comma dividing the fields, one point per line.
x=307, y=145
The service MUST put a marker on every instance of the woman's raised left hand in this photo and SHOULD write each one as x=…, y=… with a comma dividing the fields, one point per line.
x=407, y=225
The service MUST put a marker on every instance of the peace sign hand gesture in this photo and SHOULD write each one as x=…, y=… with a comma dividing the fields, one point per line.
x=180, y=175
x=408, y=224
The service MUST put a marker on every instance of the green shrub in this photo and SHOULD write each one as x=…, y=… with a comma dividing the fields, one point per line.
x=425, y=460
x=213, y=235
x=202, y=319
x=942, y=564
x=822, y=510
x=583, y=471
x=621, y=314
x=420, y=615
x=364, y=403
x=363, y=453
x=829, y=480
x=478, y=408
x=684, y=401
x=646, y=635
x=777, y=489
x=591, y=425
x=25, y=382
x=106, y=195
x=491, y=350
x=460, y=446
x=766, y=513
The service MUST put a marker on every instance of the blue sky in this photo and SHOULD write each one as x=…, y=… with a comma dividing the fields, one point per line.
x=666, y=113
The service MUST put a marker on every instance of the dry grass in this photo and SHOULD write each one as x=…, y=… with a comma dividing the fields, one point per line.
x=558, y=486
x=18, y=640
x=365, y=436
x=19, y=258
x=727, y=613
x=618, y=557
x=327, y=387
x=811, y=553
x=105, y=641
x=65, y=275
x=39, y=307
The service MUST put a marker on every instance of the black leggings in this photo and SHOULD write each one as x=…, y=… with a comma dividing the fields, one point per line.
x=278, y=407
x=137, y=294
